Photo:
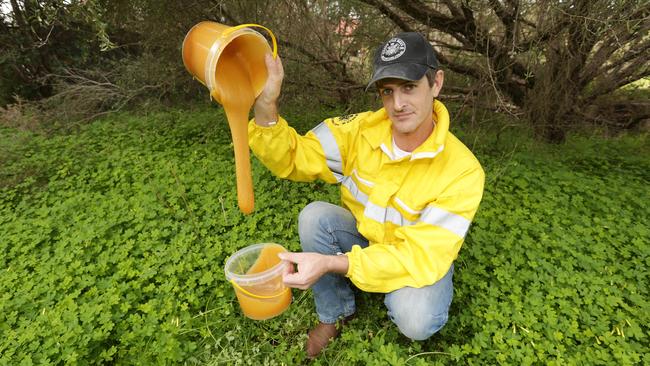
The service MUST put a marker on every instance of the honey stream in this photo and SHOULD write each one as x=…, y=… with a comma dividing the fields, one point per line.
x=236, y=92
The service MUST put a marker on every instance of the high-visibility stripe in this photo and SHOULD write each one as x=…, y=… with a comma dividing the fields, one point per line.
x=331, y=149
x=385, y=214
x=364, y=181
x=391, y=155
x=445, y=219
x=354, y=190
x=373, y=211
x=430, y=215
x=428, y=154
x=406, y=208
x=414, y=156
x=387, y=151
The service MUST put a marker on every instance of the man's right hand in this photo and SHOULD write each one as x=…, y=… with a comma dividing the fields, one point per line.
x=310, y=267
x=266, y=105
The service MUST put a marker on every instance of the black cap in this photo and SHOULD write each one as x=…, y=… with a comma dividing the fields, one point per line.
x=406, y=56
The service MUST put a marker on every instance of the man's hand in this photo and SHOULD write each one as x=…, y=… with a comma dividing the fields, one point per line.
x=311, y=267
x=266, y=104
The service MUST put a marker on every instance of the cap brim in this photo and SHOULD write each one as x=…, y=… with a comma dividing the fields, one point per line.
x=398, y=71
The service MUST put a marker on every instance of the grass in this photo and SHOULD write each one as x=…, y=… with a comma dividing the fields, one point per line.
x=115, y=236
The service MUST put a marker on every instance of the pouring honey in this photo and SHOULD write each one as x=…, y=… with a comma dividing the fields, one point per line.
x=229, y=61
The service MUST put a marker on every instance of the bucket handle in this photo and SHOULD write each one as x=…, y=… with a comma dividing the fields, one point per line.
x=257, y=296
x=251, y=25
x=247, y=25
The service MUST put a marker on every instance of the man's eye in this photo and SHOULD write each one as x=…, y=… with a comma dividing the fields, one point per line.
x=386, y=92
x=409, y=87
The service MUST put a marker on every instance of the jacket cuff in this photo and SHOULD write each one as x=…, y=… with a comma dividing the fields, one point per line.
x=353, y=261
x=254, y=127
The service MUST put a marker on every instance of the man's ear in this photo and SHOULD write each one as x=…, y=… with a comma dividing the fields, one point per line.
x=437, y=82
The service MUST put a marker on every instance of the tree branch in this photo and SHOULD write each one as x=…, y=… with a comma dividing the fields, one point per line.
x=610, y=82
x=392, y=15
x=451, y=46
x=19, y=17
x=459, y=68
x=500, y=11
x=619, y=38
x=633, y=52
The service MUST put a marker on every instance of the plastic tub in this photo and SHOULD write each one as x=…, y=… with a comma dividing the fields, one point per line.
x=256, y=274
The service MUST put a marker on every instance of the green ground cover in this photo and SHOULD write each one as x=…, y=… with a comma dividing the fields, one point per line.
x=113, y=241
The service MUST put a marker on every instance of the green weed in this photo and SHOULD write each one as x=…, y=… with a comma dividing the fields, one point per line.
x=114, y=240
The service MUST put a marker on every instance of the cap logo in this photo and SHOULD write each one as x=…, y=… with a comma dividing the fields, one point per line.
x=393, y=49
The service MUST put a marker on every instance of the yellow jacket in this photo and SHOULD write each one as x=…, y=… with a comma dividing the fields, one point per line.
x=414, y=211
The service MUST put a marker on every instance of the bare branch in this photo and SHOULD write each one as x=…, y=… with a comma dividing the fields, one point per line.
x=392, y=15
x=500, y=11
x=459, y=68
x=635, y=51
x=619, y=37
x=636, y=70
x=19, y=17
x=451, y=46
x=453, y=9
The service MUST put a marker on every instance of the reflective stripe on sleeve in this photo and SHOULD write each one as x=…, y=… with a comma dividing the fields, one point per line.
x=331, y=149
x=446, y=220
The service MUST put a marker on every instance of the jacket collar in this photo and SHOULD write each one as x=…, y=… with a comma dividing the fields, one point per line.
x=379, y=133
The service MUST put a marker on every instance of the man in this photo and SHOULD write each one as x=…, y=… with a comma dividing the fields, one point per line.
x=409, y=190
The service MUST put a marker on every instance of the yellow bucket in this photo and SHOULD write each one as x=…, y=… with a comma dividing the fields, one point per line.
x=256, y=274
x=207, y=41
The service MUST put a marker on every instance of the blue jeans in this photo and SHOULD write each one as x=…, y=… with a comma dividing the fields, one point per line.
x=329, y=229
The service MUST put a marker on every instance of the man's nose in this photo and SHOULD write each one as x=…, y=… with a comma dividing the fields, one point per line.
x=399, y=100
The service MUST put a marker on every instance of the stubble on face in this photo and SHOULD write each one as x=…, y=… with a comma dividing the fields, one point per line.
x=409, y=107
